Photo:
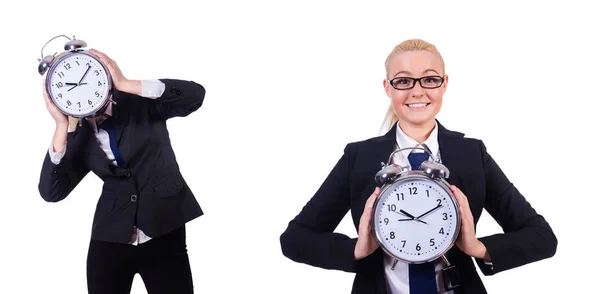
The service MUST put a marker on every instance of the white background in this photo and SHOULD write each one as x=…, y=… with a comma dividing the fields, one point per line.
x=288, y=86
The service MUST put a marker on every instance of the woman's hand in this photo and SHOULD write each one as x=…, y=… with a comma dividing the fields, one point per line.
x=60, y=118
x=118, y=79
x=366, y=243
x=467, y=242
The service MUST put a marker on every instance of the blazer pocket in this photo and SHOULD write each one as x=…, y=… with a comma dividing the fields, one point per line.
x=171, y=185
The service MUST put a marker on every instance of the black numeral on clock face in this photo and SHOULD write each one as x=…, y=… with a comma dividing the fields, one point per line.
x=90, y=102
x=87, y=64
x=59, y=95
x=403, y=243
x=441, y=231
x=67, y=66
x=69, y=102
x=392, y=235
x=97, y=72
x=97, y=94
x=445, y=216
x=59, y=85
x=99, y=83
x=439, y=201
x=400, y=195
x=418, y=247
x=79, y=104
x=431, y=242
x=61, y=74
x=77, y=62
x=392, y=207
x=412, y=190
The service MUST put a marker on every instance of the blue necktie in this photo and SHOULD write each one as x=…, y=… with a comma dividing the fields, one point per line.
x=109, y=126
x=421, y=277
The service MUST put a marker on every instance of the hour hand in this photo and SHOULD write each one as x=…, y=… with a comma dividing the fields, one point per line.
x=409, y=215
x=74, y=85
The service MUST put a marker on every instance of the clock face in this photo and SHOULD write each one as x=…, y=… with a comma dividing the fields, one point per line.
x=416, y=219
x=78, y=84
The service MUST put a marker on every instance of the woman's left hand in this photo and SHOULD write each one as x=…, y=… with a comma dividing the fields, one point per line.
x=467, y=242
x=119, y=81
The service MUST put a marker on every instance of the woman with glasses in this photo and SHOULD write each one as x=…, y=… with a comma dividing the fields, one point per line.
x=415, y=83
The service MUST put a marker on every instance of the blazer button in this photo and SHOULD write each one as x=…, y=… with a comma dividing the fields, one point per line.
x=128, y=174
x=133, y=198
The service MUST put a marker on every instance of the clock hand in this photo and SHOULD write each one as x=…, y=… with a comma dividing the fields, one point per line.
x=75, y=84
x=428, y=212
x=409, y=219
x=72, y=88
x=85, y=74
x=409, y=215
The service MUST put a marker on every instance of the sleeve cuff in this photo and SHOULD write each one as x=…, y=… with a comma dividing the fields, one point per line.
x=152, y=88
x=56, y=157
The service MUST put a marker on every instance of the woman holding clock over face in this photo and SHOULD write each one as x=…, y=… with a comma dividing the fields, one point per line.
x=139, y=223
x=415, y=82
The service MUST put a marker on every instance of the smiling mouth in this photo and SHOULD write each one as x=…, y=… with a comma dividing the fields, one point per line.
x=417, y=105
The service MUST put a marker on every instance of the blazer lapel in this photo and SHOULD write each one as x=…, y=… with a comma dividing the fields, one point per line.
x=450, y=152
x=120, y=115
x=377, y=153
x=384, y=146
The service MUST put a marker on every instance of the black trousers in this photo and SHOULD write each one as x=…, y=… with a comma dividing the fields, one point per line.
x=162, y=263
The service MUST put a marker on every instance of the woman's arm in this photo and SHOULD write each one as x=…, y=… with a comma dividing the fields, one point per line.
x=63, y=167
x=527, y=235
x=309, y=237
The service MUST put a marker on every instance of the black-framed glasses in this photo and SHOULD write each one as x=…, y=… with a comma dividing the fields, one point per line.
x=406, y=83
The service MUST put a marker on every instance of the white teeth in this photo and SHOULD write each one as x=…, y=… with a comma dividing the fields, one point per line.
x=417, y=105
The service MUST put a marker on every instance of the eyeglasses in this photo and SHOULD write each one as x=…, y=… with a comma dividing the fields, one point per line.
x=405, y=83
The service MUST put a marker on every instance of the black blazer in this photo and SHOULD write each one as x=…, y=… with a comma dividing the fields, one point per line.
x=309, y=237
x=150, y=189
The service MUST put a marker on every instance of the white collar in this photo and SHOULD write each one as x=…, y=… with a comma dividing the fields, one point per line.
x=404, y=141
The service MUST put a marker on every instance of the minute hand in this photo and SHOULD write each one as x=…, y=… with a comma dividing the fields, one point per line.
x=84, y=75
x=428, y=212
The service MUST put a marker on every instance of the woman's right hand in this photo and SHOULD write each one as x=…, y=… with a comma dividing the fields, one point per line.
x=367, y=243
x=58, y=116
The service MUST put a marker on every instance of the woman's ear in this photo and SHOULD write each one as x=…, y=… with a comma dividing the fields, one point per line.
x=445, y=85
x=388, y=88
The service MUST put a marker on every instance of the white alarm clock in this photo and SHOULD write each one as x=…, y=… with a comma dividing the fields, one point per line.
x=77, y=82
x=416, y=218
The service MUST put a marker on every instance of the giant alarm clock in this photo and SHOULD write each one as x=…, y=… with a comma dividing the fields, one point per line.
x=416, y=218
x=77, y=82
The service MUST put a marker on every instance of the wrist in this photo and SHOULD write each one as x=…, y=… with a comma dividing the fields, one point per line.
x=132, y=87
x=62, y=125
x=357, y=254
x=481, y=251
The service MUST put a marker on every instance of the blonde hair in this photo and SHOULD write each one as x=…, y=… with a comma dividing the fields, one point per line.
x=409, y=45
